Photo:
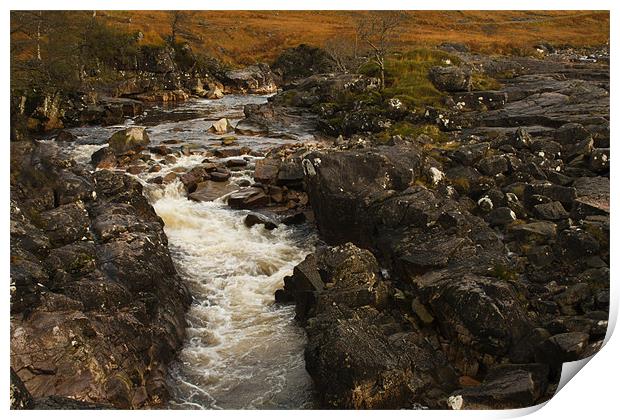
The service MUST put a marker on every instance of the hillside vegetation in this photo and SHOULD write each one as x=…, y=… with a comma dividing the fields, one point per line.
x=243, y=37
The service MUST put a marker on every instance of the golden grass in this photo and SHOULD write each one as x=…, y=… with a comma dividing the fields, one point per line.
x=243, y=37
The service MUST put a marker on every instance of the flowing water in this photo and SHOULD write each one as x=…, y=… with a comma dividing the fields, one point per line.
x=242, y=350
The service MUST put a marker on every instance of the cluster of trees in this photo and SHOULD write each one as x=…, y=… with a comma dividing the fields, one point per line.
x=376, y=34
x=61, y=49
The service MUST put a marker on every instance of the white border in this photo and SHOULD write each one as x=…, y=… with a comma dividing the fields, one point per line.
x=592, y=395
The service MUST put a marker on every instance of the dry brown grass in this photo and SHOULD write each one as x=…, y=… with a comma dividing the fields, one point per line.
x=244, y=37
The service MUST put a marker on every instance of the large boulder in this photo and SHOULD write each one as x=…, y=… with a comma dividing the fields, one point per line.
x=221, y=126
x=482, y=312
x=248, y=198
x=266, y=170
x=358, y=356
x=340, y=183
x=451, y=78
x=132, y=138
x=361, y=359
x=302, y=61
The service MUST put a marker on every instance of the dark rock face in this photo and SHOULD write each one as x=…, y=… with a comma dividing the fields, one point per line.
x=338, y=183
x=358, y=354
x=480, y=312
x=495, y=252
x=436, y=251
x=97, y=308
x=302, y=61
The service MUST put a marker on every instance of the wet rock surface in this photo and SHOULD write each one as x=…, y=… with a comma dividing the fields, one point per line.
x=458, y=272
x=487, y=253
x=256, y=79
x=97, y=308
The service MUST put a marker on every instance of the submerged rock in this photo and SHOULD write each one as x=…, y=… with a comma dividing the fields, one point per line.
x=66, y=136
x=253, y=219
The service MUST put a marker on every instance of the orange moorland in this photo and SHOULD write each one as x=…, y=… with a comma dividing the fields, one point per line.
x=248, y=36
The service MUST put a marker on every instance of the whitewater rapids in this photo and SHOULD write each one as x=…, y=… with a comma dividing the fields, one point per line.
x=242, y=351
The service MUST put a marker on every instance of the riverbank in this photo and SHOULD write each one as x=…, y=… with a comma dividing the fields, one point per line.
x=475, y=232
x=466, y=264
x=234, y=334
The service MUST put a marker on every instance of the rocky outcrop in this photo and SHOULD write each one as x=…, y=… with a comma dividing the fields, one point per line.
x=97, y=308
x=541, y=95
x=256, y=79
x=495, y=251
x=150, y=74
x=292, y=113
x=359, y=355
x=301, y=62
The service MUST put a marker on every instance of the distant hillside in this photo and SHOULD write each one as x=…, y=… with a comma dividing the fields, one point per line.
x=244, y=37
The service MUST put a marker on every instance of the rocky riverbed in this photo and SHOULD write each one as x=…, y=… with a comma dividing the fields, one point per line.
x=450, y=271
x=237, y=350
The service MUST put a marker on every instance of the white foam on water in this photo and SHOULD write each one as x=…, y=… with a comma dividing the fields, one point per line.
x=82, y=153
x=242, y=351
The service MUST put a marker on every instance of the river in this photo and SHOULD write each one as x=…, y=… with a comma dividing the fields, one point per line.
x=242, y=350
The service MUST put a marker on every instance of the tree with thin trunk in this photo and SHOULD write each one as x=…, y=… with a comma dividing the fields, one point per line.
x=342, y=52
x=378, y=31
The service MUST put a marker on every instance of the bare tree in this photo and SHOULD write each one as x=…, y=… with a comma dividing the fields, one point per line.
x=378, y=31
x=342, y=51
